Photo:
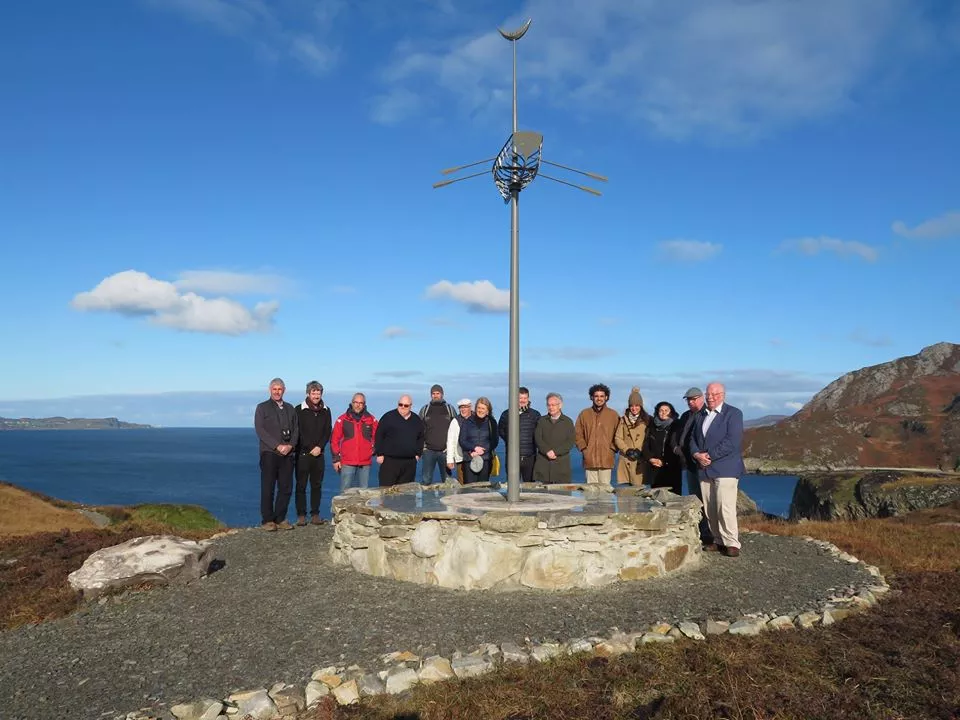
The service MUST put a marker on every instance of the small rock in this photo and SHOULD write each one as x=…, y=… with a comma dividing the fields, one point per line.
x=435, y=669
x=255, y=703
x=371, y=684
x=542, y=653
x=314, y=691
x=691, y=630
x=471, y=666
x=747, y=626
x=205, y=709
x=781, y=622
x=347, y=693
x=807, y=620
x=717, y=627
x=513, y=653
x=289, y=699
x=579, y=645
x=400, y=679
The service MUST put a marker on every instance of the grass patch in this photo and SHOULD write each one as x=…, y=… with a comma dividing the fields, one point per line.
x=179, y=517
x=921, y=480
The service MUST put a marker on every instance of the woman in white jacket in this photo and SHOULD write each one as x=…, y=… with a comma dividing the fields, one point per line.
x=454, y=453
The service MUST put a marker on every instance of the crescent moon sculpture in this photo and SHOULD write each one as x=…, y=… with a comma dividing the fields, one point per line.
x=516, y=34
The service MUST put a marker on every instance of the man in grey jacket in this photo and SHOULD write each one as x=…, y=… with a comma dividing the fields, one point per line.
x=278, y=430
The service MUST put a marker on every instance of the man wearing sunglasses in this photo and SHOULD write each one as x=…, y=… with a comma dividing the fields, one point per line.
x=398, y=444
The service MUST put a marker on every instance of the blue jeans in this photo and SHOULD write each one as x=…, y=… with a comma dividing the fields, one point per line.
x=348, y=472
x=428, y=461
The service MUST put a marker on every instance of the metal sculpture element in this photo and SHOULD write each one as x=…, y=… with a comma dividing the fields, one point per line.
x=514, y=168
x=518, y=163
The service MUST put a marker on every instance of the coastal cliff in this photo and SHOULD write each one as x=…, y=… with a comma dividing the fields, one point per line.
x=62, y=423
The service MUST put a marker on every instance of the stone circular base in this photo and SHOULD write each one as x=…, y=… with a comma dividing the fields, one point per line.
x=555, y=538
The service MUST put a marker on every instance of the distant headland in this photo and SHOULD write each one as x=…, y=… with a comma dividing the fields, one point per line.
x=62, y=423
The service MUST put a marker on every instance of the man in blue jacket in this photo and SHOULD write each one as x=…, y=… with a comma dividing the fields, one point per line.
x=528, y=424
x=716, y=444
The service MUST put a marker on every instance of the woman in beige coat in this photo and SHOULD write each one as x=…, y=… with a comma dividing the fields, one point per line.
x=631, y=430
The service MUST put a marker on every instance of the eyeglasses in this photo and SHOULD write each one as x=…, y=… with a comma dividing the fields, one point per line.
x=714, y=394
x=403, y=404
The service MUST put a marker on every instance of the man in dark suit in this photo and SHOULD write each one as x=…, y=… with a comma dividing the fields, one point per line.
x=716, y=444
x=694, y=400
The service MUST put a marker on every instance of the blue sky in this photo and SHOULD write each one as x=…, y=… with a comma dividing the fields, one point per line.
x=198, y=195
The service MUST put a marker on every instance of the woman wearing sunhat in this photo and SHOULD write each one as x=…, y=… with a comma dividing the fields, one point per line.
x=478, y=440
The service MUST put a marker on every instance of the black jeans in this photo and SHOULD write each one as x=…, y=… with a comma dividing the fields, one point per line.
x=276, y=473
x=469, y=476
x=526, y=468
x=397, y=470
x=309, y=468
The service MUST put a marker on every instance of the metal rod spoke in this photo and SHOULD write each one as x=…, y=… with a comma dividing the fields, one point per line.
x=458, y=168
x=595, y=176
x=444, y=183
x=570, y=184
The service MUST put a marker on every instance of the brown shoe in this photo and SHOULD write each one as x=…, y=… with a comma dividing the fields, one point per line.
x=284, y=526
x=731, y=552
x=710, y=547
x=317, y=520
x=301, y=520
x=269, y=526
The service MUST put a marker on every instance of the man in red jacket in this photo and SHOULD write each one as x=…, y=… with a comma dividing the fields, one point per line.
x=352, y=443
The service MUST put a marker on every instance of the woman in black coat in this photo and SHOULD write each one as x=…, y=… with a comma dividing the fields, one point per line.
x=479, y=439
x=664, y=467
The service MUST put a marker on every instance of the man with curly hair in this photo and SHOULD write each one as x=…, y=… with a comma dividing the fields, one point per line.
x=595, y=429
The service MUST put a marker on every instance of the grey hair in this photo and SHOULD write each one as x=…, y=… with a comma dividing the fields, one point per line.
x=360, y=395
x=278, y=381
x=558, y=396
x=314, y=385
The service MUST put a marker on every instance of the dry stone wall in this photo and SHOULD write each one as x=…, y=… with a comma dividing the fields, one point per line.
x=509, y=550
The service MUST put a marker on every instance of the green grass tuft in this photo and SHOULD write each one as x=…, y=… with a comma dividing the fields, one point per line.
x=176, y=517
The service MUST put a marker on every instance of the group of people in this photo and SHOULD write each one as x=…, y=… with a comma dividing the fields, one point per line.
x=653, y=449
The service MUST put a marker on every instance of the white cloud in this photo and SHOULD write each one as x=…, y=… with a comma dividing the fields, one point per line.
x=688, y=250
x=793, y=405
x=343, y=289
x=478, y=296
x=817, y=245
x=724, y=67
x=568, y=353
x=303, y=31
x=608, y=321
x=135, y=293
x=395, y=331
x=225, y=282
x=946, y=225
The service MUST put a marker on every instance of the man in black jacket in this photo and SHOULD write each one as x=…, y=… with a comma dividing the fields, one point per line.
x=694, y=399
x=398, y=444
x=528, y=424
x=278, y=431
x=315, y=428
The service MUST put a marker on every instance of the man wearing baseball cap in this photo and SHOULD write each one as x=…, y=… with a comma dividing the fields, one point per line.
x=454, y=451
x=694, y=399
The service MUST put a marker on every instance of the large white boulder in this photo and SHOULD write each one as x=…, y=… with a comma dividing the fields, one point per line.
x=154, y=558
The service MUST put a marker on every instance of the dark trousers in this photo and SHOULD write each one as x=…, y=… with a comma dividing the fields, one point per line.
x=693, y=486
x=276, y=474
x=526, y=468
x=396, y=471
x=309, y=468
x=469, y=476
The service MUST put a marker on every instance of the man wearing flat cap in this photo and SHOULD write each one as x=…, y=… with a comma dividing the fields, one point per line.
x=694, y=399
x=437, y=416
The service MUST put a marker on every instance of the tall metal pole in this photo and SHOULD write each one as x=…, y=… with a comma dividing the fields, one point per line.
x=513, y=383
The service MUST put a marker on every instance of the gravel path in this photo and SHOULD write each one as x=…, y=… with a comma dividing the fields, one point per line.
x=278, y=609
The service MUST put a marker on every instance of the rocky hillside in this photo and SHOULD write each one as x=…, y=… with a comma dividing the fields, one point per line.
x=903, y=413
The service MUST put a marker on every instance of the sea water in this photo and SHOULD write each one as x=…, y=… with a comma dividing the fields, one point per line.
x=213, y=467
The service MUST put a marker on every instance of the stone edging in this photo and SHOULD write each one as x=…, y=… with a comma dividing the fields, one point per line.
x=404, y=669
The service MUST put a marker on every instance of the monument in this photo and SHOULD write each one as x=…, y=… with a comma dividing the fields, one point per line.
x=548, y=537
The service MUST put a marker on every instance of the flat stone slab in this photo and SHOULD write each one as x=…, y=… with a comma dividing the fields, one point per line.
x=154, y=558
